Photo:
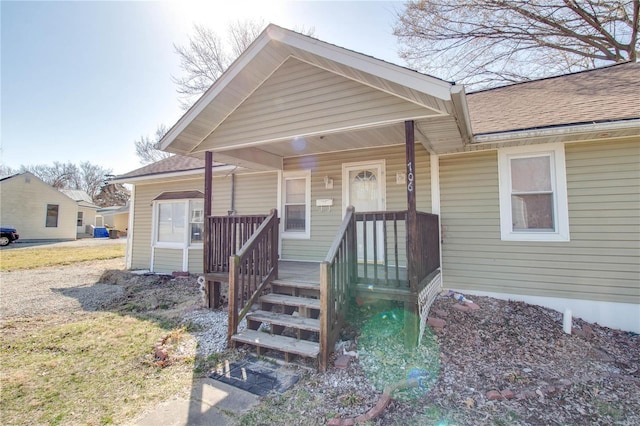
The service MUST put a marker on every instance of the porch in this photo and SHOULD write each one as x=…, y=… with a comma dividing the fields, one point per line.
x=303, y=305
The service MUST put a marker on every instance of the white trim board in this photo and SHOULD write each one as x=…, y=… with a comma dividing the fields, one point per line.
x=623, y=316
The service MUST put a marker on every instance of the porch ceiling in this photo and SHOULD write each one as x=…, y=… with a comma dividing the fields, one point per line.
x=291, y=95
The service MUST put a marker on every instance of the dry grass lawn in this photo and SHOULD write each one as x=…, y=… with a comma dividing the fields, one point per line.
x=32, y=258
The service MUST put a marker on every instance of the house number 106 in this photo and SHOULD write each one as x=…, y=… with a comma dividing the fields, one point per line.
x=410, y=176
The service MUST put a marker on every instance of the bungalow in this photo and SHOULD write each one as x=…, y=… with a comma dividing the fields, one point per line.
x=36, y=209
x=87, y=210
x=527, y=192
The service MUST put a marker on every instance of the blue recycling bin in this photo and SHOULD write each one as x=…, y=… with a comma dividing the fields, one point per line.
x=100, y=233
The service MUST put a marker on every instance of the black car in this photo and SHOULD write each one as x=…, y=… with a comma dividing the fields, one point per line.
x=8, y=235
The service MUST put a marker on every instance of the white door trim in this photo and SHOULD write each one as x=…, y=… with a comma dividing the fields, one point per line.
x=382, y=185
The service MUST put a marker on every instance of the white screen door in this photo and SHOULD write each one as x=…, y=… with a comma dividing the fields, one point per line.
x=365, y=192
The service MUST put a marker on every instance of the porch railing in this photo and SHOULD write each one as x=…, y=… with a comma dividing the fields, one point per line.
x=382, y=258
x=428, y=247
x=337, y=272
x=250, y=270
x=387, y=267
x=225, y=236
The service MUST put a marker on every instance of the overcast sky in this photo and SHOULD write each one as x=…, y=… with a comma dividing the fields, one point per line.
x=80, y=81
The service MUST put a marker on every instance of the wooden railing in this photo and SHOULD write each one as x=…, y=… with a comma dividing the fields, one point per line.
x=428, y=248
x=252, y=269
x=337, y=272
x=391, y=267
x=224, y=236
x=386, y=229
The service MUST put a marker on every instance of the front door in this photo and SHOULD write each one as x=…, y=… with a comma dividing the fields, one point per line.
x=365, y=191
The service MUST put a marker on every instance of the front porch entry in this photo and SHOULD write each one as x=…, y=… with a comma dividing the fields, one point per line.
x=299, y=308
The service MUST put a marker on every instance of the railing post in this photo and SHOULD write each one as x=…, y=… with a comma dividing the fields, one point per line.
x=325, y=315
x=234, y=267
x=411, y=322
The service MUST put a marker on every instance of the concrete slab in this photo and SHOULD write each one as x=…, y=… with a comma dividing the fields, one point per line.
x=211, y=403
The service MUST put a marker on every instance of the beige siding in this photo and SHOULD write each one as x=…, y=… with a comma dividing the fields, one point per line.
x=195, y=261
x=301, y=99
x=142, y=223
x=324, y=224
x=255, y=194
x=23, y=205
x=602, y=260
x=166, y=261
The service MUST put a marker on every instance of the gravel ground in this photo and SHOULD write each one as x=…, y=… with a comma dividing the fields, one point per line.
x=506, y=363
x=55, y=290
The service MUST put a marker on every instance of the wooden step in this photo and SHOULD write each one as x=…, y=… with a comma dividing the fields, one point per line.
x=288, y=345
x=300, y=323
x=300, y=302
x=297, y=288
x=306, y=285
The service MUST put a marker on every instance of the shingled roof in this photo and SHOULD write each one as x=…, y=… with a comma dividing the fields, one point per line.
x=175, y=163
x=600, y=95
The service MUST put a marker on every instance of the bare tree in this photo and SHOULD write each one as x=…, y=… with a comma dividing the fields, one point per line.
x=87, y=177
x=485, y=42
x=208, y=55
x=147, y=147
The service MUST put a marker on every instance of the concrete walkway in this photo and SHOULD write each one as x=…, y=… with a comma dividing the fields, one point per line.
x=211, y=403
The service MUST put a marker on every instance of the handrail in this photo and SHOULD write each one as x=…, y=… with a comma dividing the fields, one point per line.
x=252, y=269
x=337, y=271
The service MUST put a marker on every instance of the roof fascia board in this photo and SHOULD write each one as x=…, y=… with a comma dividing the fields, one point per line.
x=171, y=175
x=493, y=138
x=219, y=85
x=461, y=109
x=377, y=67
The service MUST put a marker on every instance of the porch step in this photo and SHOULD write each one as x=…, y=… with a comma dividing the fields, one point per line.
x=288, y=345
x=284, y=320
x=299, y=302
x=297, y=288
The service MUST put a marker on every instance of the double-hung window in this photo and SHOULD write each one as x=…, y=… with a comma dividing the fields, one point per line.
x=296, y=199
x=52, y=215
x=533, y=193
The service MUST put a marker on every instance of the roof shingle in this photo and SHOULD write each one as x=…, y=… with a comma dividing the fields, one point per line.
x=599, y=95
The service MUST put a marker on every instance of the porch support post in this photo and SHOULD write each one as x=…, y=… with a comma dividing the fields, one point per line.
x=212, y=288
x=411, y=307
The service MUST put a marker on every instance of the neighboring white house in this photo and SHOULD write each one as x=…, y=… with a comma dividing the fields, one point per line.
x=86, y=217
x=37, y=210
x=114, y=217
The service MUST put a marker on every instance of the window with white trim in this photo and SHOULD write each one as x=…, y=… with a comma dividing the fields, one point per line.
x=533, y=193
x=179, y=222
x=52, y=215
x=296, y=209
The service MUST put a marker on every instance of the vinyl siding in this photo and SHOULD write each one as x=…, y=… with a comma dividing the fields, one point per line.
x=602, y=260
x=166, y=261
x=255, y=194
x=142, y=224
x=195, y=260
x=324, y=224
x=23, y=205
x=303, y=99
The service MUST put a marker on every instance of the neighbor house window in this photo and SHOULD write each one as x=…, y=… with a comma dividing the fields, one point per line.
x=179, y=222
x=52, y=215
x=80, y=221
x=296, y=204
x=533, y=193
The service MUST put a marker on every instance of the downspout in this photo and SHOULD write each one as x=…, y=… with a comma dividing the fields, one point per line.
x=232, y=208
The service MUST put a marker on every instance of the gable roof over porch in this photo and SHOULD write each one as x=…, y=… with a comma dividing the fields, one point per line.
x=290, y=94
